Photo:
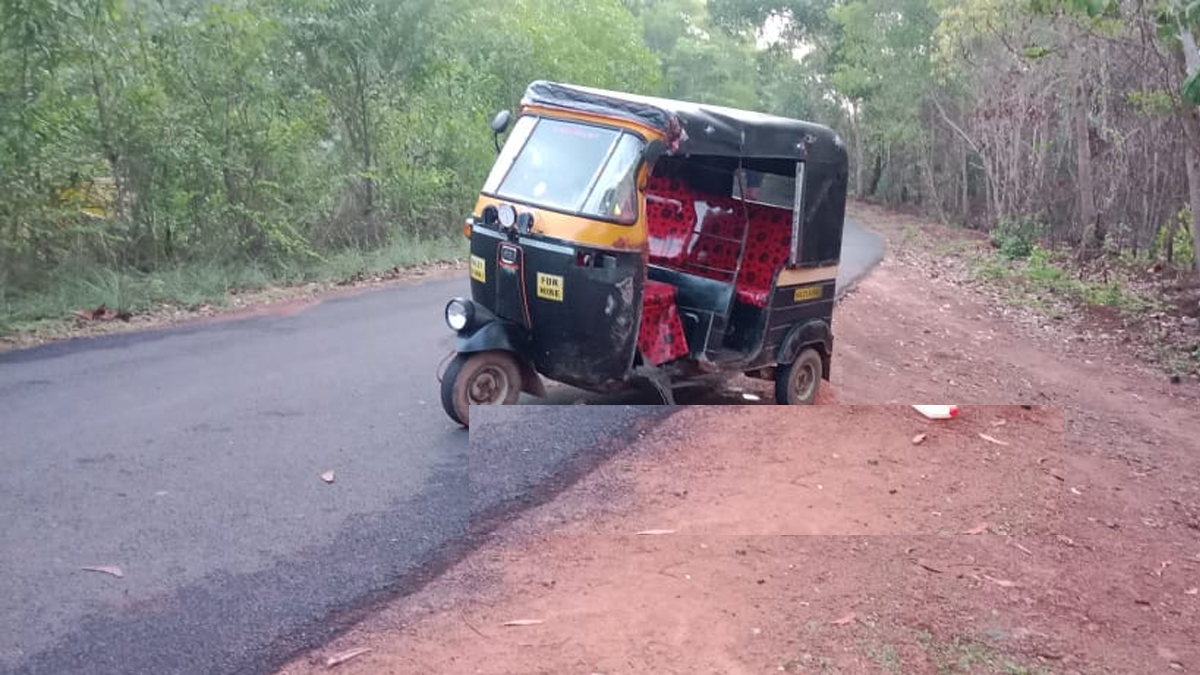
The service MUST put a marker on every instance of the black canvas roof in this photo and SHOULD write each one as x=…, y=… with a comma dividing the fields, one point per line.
x=706, y=129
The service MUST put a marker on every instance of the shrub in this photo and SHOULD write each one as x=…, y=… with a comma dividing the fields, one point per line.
x=1182, y=254
x=1016, y=237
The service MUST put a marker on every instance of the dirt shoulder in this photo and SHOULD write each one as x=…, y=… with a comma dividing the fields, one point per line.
x=1071, y=545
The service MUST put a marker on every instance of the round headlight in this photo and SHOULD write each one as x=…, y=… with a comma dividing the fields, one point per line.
x=458, y=314
x=507, y=215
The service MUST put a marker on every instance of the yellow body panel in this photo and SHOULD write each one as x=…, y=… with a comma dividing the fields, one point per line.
x=583, y=230
x=810, y=275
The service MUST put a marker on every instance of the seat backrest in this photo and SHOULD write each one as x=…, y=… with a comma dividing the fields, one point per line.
x=767, y=247
x=670, y=219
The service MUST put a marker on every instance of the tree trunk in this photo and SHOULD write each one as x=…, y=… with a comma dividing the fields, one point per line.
x=1083, y=155
x=965, y=204
x=360, y=85
x=876, y=175
x=1192, y=123
x=1193, y=174
x=858, y=154
x=931, y=185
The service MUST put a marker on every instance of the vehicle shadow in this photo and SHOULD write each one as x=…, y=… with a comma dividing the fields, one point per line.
x=738, y=391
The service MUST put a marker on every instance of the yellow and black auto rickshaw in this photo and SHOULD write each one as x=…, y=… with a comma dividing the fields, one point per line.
x=623, y=239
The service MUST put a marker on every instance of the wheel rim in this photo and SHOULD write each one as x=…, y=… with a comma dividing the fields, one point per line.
x=489, y=386
x=804, y=379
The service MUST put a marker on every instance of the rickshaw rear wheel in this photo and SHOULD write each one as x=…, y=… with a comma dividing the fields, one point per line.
x=797, y=383
x=482, y=378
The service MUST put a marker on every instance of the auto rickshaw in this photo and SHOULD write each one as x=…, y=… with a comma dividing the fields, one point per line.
x=623, y=239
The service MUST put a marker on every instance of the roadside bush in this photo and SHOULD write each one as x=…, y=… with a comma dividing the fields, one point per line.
x=1016, y=237
x=1180, y=249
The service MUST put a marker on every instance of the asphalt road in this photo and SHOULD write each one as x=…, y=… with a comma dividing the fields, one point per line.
x=191, y=458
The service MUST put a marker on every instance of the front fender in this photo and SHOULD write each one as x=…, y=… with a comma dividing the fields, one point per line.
x=494, y=334
x=500, y=335
x=806, y=335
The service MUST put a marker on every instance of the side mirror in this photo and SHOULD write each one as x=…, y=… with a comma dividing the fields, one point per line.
x=499, y=125
x=500, y=121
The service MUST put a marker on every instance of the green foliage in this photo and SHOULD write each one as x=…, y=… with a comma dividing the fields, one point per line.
x=807, y=20
x=291, y=136
x=1045, y=277
x=1155, y=102
x=1094, y=9
x=1182, y=254
x=138, y=138
x=1017, y=237
x=1036, y=52
x=1041, y=267
x=1191, y=88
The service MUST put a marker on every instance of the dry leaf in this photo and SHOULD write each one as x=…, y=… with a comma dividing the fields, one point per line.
x=978, y=529
x=106, y=569
x=928, y=565
x=657, y=532
x=989, y=439
x=345, y=656
x=999, y=423
x=523, y=622
x=327, y=476
x=849, y=618
x=918, y=439
x=1192, y=591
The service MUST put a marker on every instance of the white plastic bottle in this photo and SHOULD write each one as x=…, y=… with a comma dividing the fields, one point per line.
x=938, y=412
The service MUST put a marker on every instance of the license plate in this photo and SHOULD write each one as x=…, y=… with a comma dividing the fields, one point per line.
x=478, y=269
x=807, y=293
x=550, y=287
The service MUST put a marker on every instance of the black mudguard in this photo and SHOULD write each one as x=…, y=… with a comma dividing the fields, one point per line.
x=498, y=334
x=808, y=334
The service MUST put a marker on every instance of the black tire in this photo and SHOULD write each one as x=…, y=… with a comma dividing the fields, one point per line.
x=483, y=378
x=798, y=382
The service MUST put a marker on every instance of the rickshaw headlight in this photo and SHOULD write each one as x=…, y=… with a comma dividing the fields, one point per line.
x=459, y=314
x=507, y=214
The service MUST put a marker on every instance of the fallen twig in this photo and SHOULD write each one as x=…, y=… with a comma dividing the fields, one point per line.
x=929, y=566
x=345, y=656
x=106, y=569
x=523, y=622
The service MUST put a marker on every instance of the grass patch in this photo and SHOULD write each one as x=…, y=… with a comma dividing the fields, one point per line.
x=1042, y=277
x=885, y=655
x=990, y=268
x=1045, y=275
x=953, y=247
x=73, y=287
x=968, y=657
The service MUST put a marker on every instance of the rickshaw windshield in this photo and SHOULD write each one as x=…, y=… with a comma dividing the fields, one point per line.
x=569, y=166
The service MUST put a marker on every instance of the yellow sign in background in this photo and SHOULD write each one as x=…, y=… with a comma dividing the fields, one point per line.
x=550, y=287
x=478, y=269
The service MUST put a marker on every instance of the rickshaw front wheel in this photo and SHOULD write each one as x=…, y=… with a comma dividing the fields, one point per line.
x=797, y=382
x=482, y=378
